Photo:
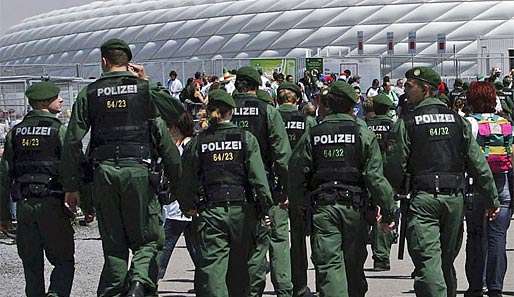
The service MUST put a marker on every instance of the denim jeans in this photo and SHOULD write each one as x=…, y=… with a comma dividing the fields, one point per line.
x=172, y=231
x=486, y=257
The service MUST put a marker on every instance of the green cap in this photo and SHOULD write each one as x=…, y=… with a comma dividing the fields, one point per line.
x=219, y=95
x=383, y=99
x=249, y=73
x=498, y=85
x=290, y=86
x=116, y=44
x=170, y=109
x=425, y=74
x=264, y=96
x=42, y=91
x=341, y=89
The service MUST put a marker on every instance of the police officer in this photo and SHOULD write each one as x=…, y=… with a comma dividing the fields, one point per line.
x=126, y=137
x=335, y=164
x=381, y=124
x=296, y=124
x=225, y=162
x=30, y=169
x=430, y=149
x=265, y=123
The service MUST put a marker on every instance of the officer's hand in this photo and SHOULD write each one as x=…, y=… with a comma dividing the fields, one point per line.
x=388, y=228
x=266, y=221
x=138, y=70
x=191, y=213
x=284, y=205
x=71, y=200
x=492, y=213
x=89, y=217
x=378, y=214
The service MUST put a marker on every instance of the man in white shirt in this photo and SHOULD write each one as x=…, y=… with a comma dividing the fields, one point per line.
x=174, y=85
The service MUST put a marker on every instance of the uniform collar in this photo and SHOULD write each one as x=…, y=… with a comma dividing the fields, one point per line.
x=288, y=107
x=429, y=101
x=339, y=116
x=117, y=74
x=245, y=95
x=41, y=113
x=381, y=117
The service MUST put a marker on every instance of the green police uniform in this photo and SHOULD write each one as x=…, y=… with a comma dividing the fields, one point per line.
x=30, y=170
x=126, y=135
x=265, y=123
x=296, y=124
x=381, y=241
x=444, y=147
x=334, y=166
x=225, y=162
x=505, y=101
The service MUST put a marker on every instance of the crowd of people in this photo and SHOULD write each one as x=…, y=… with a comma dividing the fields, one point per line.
x=250, y=165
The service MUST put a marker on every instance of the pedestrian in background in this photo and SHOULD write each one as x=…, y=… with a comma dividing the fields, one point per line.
x=486, y=240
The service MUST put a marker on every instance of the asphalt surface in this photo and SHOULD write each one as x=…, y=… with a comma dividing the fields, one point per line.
x=179, y=277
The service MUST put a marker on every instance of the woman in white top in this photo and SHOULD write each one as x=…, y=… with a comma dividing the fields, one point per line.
x=176, y=223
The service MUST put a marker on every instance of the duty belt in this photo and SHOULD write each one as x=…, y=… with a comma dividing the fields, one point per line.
x=334, y=192
x=445, y=184
x=120, y=151
x=224, y=195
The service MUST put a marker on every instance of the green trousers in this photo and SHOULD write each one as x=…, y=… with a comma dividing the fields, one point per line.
x=299, y=263
x=129, y=217
x=434, y=237
x=276, y=241
x=224, y=243
x=338, y=243
x=44, y=226
x=381, y=242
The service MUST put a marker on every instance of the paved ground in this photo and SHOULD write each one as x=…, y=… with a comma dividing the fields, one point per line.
x=179, y=277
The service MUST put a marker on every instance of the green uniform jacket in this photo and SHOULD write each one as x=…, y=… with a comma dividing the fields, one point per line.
x=191, y=179
x=7, y=162
x=279, y=141
x=301, y=164
x=80, y=123
x=399, y=151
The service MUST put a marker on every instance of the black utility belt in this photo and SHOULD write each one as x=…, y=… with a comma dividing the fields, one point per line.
x=444, y=184
x=335, y=192
x=122, y=151
x=39, y=191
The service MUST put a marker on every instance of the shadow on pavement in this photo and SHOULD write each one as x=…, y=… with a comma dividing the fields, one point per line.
x=388, y=276
x=178, y=280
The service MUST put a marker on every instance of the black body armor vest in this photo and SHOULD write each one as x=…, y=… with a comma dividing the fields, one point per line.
x=336, y=153
x=120, y=113
x=37, y=152
x=382, y=129
x=437, y=149
x=294, y=121
x=222, y=162
x=251, y=115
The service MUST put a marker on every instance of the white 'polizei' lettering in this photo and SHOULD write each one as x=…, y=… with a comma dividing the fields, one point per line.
x=379, y=128
x=45, y=131
x=333, y=139
x=295, y=125
x=434, y=118
x=221, y=146
x=246, y=111
x=119, y=90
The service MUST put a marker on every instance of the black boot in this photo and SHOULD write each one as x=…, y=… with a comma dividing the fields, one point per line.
x=137, y=289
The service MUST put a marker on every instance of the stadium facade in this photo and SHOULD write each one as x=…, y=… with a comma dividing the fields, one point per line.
x=213, y=29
